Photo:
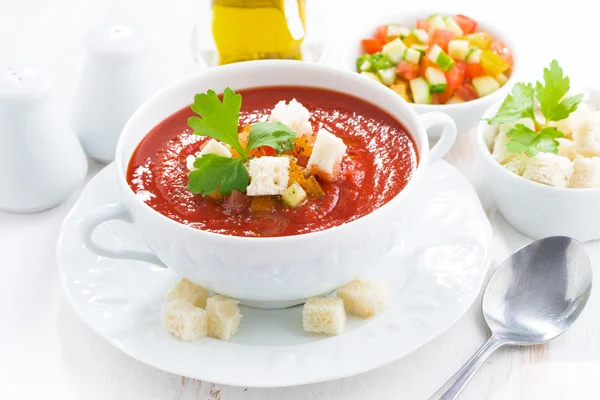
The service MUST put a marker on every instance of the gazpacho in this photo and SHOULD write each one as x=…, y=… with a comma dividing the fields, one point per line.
x=285, y=161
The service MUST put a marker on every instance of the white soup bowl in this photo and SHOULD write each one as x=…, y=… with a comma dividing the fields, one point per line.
x=265, y=272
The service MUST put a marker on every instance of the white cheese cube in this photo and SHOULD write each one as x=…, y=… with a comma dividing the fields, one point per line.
x=293, y=115
x=587, y=142
x=211, y=147
x=223, y=316
x=189, y=291
x=183, y=319
x=324, y=315
x=549, y=169
x=517, y=164
x=326, y=156
x=268, y=176
x=364, y=297
x=566, y=148
x=586, y=173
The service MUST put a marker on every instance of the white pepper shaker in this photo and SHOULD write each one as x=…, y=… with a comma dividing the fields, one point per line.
x=41, y=160
x=119, y=73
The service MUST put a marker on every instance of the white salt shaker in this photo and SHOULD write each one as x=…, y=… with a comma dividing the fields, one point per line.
x=119, y=73
x=41, y=160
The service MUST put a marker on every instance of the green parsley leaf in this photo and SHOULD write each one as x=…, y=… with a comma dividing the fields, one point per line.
x=218, y=120
x=554, y=89
x=518, y=104
x=275, y=135
x=525, y=140
x=218, y=172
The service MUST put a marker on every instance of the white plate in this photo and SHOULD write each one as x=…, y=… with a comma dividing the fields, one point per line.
x=436, y=273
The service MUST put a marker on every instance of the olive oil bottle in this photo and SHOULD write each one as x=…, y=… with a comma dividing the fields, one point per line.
x=258, y=29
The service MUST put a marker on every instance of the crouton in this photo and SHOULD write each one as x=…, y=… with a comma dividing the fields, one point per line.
x=586, y=173
x=566, y=148
x=324, y=315
x=577, y=121
x=587, y=142
x=549, y=169
x=517, y=164
x=326, y=156
x=268, y=176
x=189, y=291
x=184, y=320
x=293, y=115
x=223, y=316
x=364, y=297
x=211, y=147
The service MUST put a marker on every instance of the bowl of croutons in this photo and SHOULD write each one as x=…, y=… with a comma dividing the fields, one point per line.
x=540, y=153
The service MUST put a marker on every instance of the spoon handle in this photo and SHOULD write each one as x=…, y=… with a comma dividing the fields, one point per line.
x=452, y=388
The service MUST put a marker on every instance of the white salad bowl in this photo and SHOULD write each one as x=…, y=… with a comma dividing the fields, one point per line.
x=265, y=272
x=466, y=115
x=535, y=209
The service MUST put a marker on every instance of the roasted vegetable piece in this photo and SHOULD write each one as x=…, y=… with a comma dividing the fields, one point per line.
x=262, y=203
x=312, y=188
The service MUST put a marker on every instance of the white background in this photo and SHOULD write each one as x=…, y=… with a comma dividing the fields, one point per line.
x=46, y=352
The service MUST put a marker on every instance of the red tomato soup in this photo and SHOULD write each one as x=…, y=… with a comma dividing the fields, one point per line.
x=380, y=159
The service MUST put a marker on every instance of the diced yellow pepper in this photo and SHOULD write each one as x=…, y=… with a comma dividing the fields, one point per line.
x=294, y=195
x=492, y=63
x=479, y=39
x=295, y=173
x=262, y=203
x=410, y=40
x=401, y=88
x=312, y=187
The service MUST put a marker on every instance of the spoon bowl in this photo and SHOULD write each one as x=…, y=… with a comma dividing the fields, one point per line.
x=535, y=295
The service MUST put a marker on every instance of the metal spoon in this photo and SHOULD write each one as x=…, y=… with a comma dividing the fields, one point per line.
x=535, y=295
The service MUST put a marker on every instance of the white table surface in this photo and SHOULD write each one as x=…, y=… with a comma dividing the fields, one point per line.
x=47, y=352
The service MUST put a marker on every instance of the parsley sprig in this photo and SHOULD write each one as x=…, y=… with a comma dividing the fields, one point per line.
x=219, y=120
x=520, y=103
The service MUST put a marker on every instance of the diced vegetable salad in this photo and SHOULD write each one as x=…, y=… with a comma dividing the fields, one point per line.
x=441, y=60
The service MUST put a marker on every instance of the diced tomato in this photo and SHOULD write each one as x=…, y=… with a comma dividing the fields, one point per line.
x=466, y=92
x=407, y=70
x=475, y=70
x=442, y=98
x=381, y=33
x=423, y=24
x=456, y=76
x=442, y=37
x=468, y=25
x=267, y=151
x=500, y=48
x=372, y=45
x=426, y=63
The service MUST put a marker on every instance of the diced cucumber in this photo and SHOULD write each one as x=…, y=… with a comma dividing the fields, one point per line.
x=439, y=56
x=397, y=31
x=293, y=195
x=412, y=56
x=363, y=63
x=458, y=49
x=501, y=79
x=474, y=55
x=370, y=75
x=387, y=76
x=455, y=100
x=420, y=91
x=436, y=22
x=394, y=50
x=421, y=35
x=380, y=61
x=451, y=25
x=485, y=85
x=421, y=48
x=437, y=80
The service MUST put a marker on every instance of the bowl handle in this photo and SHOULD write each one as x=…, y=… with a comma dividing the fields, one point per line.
x=106, y=213
x=447, y=137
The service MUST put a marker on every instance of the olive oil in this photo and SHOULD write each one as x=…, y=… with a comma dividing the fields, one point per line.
x=258, y=29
